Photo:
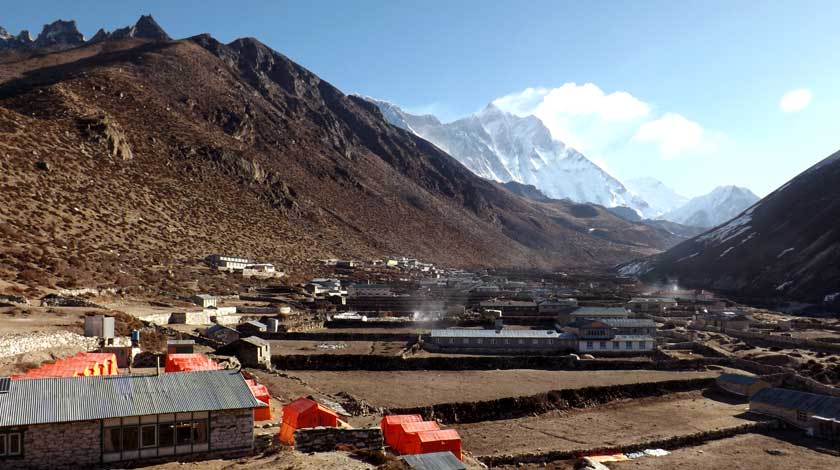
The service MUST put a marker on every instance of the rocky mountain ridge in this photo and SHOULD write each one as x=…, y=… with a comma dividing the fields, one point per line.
x=127, y=156
x=61, y=34
x=787, y=245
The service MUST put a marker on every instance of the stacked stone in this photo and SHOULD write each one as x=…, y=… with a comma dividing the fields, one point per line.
x=232, y=429
x=323, y=439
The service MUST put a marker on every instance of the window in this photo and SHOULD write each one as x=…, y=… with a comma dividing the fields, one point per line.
x=131, y=437
x=166, y=434
x=628, y=344
x=153, y=435
x=801, y=416
x=113, y=440
x=148, y=436
x=521, y=341
x=451, y=340
x=183, y=433
x=3, y=445
x=15, y=446
x=589, y=345
x=466, y=341
x=535, y=341
x=479, y=340
x=603, y=345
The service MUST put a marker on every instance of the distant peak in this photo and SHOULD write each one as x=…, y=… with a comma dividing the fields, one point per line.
x=4, y=34
x=147, y=28
x=60, y=32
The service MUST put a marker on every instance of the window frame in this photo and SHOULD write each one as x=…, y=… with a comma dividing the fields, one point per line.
x=6, y=446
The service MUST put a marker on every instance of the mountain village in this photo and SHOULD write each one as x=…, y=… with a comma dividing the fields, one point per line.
x=376, y=289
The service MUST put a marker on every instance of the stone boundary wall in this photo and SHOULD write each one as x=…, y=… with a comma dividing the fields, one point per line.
x=342, y=362
x=324, y=439
x=785, y=341
x=675, y=442
x=518, y=407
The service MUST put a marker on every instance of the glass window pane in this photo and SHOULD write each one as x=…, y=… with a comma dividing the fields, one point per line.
x=166, y=435
x=200, y=432
x=184, y=433
x=14, y=443
x=148, y=435
x=113, y=440
x=131, y=438
x=2, y=444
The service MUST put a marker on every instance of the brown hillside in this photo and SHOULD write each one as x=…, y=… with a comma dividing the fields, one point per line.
x=126, y=157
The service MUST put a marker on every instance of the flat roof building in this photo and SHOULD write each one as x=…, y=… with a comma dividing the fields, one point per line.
x=816, y=414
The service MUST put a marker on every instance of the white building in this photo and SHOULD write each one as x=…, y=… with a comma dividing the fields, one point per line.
x=205, y=300
x=625, y=344
x=228, y=263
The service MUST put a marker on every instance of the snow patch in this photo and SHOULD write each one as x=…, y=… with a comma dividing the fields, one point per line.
x=687, y=257
x=784, y=252
x=832, y=297
x=783, y=285
x=726, y=252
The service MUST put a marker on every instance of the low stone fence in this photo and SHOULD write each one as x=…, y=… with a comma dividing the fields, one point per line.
x=22, y=343
x=517, y=407
x=674, y=442
x=323, y=439
x=784, y=341
x=341, y=362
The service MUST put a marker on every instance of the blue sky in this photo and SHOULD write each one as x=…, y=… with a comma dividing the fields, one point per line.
x=687, y=92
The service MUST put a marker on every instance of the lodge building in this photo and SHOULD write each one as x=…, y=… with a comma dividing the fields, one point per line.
x=81, y=422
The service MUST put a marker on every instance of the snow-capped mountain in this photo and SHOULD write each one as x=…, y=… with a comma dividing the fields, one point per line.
x=659, y=197
x=713, y=209
x=503, y=147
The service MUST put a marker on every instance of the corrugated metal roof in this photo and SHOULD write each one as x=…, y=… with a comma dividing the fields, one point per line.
x=434, y=461
x=630, y=322
x=503, y=333
x=738, y=379
x=633, y=338
x=255, y=341
x=821, y=405
x=640, y=300
x=600, y=311
x=59, y=400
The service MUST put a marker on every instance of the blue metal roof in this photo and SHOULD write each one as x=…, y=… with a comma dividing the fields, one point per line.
x=60, y=400
x=821, y=405
x=503, y=333
x=739, y=379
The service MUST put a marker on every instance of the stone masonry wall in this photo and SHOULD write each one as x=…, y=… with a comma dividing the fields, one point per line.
x=58, y=446
x=232, y=429
x=322, y=439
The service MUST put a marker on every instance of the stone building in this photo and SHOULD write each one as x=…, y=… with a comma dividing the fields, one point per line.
x=655, y=305
x=251, y=351
x=500, y=341
x=83, y=422
x=222, y=334
x=739, y=384
x=205, y=300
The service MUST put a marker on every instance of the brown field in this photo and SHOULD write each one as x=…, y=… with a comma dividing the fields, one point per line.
x=283, y=347
x=614, y=424
x=418, y=388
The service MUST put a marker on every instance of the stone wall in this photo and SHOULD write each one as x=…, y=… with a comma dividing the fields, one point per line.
x=323, y=439
x=232, y=429
x=58, y=446
x=764, y=339
x=22, y=343
x=341, y=362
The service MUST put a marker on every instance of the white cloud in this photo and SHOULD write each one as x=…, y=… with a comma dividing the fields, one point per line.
x=603, y=124
x=582, y=116
x=673, y=133
x=795, y=100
